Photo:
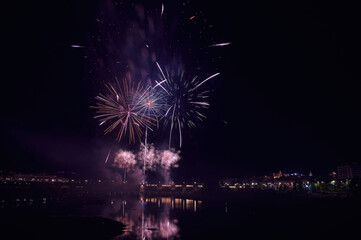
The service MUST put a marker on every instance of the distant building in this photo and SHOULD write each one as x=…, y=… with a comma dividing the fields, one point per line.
x=349, y=171
x=333, y=174
x=277, y=175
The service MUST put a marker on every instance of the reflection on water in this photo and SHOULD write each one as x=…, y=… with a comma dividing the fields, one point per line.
x=144, y=217
x=148, y=217
x=172, y=217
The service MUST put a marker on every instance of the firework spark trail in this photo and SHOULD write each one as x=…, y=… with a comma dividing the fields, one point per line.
x=160, y=69
x=76, y=46
x=171, y=127
x=145, y=150
x=201, y=103
x=220, y=44
x=149, y=156
x=168, y=110
x=164, y=79
x=159, y=84
x=180, y=133
x=216, y=74
x=161, y=12
x=106, y=160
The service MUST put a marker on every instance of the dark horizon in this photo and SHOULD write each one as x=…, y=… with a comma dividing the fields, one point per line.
x=287, y=97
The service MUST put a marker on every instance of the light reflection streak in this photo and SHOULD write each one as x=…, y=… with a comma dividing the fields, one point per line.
x=149, y=217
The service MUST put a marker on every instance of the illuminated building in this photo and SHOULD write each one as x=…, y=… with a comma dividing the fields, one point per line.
x=277, y=175
x=349, y=171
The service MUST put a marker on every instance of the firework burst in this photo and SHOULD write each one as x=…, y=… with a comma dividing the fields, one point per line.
x=185, y=100
x=123, y=108
x=134, y=42
x=124, y=160
x=152, y=103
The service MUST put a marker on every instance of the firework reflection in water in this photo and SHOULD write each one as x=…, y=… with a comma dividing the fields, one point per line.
x=147, y=218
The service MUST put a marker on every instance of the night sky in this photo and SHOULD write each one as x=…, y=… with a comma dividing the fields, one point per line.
x=287, y=97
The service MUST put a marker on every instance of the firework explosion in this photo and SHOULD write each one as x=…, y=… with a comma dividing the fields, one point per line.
x=124, y=108
x=130, y=45
x=147, y=158
x=168, y=159
x=149, y=155
x=184, y=101
x=152, y=104
x=124, y=160
x=135, y=108
x=151, y=98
